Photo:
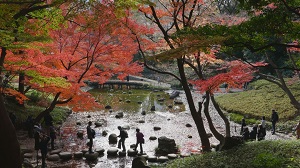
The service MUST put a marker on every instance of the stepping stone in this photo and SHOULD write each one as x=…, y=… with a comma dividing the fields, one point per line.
x=152, y=138
x=78, y=155
x=91, y=156
x=156, y=128
x=54, y=157
x=132, y=152
x=25, y=149
x=172, y=156
x=152, y=158
x=112, y=151
x=144, y=156
x=84, y=151
x=122, y=153
x=185, y=155
x=65, y=155
x=56, y=151
x=100, y=150
x=162, y=159
x=28, y=155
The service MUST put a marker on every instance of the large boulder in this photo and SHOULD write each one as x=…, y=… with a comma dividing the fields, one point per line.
x=113, y=138
x=166, y=146
x=54, y=157
x=65, y=155
x=78, y=155
x=112, y=151
x=91, y=156
x=139, y=162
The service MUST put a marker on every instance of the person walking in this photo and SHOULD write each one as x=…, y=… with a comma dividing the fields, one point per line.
x=243, y=124
x=44, y=149
x=139, y=140
x=123, y=135
x=52, y=136
x=274, y=120
x=91, y=136
x=36, y=134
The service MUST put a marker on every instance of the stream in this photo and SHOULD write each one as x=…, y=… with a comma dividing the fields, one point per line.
x=172, y=122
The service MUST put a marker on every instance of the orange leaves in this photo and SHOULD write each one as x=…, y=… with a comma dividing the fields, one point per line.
x=13, y=93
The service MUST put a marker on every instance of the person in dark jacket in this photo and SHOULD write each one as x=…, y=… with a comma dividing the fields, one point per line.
x=274, y=119
x=243, y=124
x=139, y=140
x=261, y=133
x=44, y=149
x=246, y=134
x=253, y=133
x=123, y=135
x=52, y=136
x=91, y=135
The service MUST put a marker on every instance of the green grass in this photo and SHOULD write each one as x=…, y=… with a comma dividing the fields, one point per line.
x=256, y=154
x=259, y=101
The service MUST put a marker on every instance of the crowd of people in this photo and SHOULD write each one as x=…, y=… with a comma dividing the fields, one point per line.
x=258, y=132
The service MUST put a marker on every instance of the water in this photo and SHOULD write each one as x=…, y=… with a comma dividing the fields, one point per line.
x=171, y=120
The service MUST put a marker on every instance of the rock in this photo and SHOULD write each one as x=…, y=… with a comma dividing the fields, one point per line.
x=152, y=138
x=78, y=155
x=104, y=133
x=65, y=155
x=141, y=121
x=120, y=115
x=139, y=102
x=113, y=138
x=25, y=149
x=209, y=135
x=89, y=116
x=188, y=125
x=126, y=127
x=108, y=107
x=54, y=157
x=100, y=150
x=78, y=123
x=80, y=134
x=178, y=101
x=84, y=151
x=91, y=156
x=127, y=101
x=98, y=124
x=27, y=163
x=190, y=136
x=122, y=153
x=28, y=155
x=132, y=152
x=170, y=106
x=183, y=155
x=112, y=151
x=174, y=94
x=166, y=145
x=152, y=158
x=56, y=151
x=139, y=162
x=156, y=128
x=132, y=146
x=162, y=159
x=143, y=112
x=152, y=108
x=172, y=156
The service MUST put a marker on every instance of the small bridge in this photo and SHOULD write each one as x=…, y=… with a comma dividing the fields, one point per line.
x=131, y=82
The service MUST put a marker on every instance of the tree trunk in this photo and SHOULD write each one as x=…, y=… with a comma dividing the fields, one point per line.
x=49, y=109
x=214, y=131
x=196, y=116
x=9, y=145
x=21, y=82
x=225, y=119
